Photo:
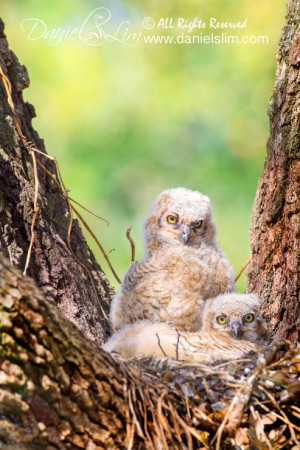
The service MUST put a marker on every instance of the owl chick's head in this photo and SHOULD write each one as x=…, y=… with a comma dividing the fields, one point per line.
x=179, y=217
x=234, y=314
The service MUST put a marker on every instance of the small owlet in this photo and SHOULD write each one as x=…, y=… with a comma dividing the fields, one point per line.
x=232, y=327
x=234, y=314
x=182, y=267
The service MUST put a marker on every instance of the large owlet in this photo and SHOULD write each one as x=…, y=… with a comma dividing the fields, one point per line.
x=232, y=327
x=182, y=267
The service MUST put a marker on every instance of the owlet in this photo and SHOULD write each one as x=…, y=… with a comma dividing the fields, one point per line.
x=232, y=327
x=182, y=266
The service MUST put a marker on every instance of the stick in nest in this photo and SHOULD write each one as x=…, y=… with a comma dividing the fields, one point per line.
x=159, y=344
x=177, y=346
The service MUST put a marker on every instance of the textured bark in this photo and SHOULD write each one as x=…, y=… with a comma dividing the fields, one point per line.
x=274, y=272
x=53, y=394
x=52, y=265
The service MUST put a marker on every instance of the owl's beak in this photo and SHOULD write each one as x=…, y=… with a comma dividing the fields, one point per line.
x=185, y=235
x=236, y=330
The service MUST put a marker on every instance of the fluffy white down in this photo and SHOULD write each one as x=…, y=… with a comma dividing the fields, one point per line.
x=159, y=340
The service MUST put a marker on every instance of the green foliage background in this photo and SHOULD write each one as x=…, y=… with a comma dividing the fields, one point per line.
x=126, y=122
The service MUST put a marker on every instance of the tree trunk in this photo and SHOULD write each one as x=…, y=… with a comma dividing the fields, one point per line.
x=70, y=274
x=58, y=390
x=274, y=272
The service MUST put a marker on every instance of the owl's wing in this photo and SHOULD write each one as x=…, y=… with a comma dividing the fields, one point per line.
x=136, y=273
x=160, y=288
x=133, y=301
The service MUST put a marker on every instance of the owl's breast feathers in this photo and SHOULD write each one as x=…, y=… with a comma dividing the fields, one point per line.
x=171, y=286
x=202, y=270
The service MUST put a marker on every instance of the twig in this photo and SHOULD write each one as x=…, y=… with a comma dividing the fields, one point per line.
x=284, y=417
x=72, y=208
x=36, y=208
x=89, y=211
x=69, y=235
x=258, y=421
x=70, y=225
x=240, y=399
x=136, y=422
x=219, y=433
x=131, y=244
x=61, y=186
x=275, y=382
x=159, y=344
x=50, y=175
x=97, y=242
x=187, y=431
x=30, y=146
x=227, y=363
x=83, y=222
x=177, y=346
x=31, y=239
x=242, y=269
x=243, y=398
x=162, y=420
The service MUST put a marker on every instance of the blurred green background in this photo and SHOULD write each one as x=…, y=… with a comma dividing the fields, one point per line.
x=126, y=122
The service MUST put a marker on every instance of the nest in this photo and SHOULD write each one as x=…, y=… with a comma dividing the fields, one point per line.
x=252, y=403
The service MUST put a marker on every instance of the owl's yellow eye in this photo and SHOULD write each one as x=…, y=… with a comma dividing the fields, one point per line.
x=172, y=219
x=248, y=318
x=197, y=223
x=221, y=319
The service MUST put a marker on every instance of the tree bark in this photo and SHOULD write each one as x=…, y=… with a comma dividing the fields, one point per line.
x=72, y=277
x=58, y=390
x=274, y=271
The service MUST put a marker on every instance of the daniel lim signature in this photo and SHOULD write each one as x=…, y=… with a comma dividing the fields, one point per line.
x=91, y=32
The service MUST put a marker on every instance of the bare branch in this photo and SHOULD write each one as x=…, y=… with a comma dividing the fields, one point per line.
x=131, y=244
